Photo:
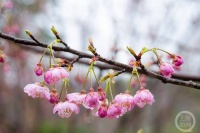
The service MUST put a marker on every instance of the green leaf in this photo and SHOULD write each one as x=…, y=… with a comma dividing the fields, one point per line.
x=104, y=78
x=131, y=51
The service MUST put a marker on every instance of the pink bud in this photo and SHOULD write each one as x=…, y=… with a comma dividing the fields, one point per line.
x=177, y=60
x=102, y=94
x=54, y=97
x=38, y=70
x=102, y=111
x=166, y=69
x=2, y=57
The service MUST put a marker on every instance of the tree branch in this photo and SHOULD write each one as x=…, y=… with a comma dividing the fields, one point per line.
x=102, y=59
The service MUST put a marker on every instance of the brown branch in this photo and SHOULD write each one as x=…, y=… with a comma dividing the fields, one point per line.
x=107, y=61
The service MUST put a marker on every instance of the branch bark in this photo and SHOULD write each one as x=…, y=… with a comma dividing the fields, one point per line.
x=115, y=65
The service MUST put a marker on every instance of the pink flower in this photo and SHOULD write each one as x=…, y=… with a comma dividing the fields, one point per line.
x=38, y=69
x=177, y=60
x=65, y=109
x=54, y=97
x=115, y=111
x=142, y=97
x=102, y=111
x=55, y=74
x=125, y=100
x=166, y=69
x=77, y=98
x=2, y=57
x=91, y=100
x=37, y=91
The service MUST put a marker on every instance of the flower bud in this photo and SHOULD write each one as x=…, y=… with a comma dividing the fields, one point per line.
x=54, y=97
x=166, y=69
x=38, y=70
x=2, y=57
x=177, y=60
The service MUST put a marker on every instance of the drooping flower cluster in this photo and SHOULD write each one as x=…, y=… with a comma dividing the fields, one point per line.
x=103, y=101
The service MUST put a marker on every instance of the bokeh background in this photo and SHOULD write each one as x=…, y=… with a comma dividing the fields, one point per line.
x=113, y=25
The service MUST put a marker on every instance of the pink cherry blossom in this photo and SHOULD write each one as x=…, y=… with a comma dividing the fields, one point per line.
x=38, y=69
x=142, y=97
x=65, y=109
x=177, y=60
x=37, y=91
x=166, y=69
x=54, y=97
x=55, y=74
x=115, y=111
x=77, y=98
x=91, y=100
x=125, y=100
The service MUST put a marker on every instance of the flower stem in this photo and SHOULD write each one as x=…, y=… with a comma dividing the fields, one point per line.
x=159, y=60
x=110, y=88
x=63, y=86
x=129, y=86
x=95, y=76
x=43, y=55
x=162, y=50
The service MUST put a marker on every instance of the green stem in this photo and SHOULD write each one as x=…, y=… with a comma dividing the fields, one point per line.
x=110, y=89
x=107, y=91
x=68, y=86
x=43, y=54
x=50, y=58
x=90, y=80
x=138, y=76
x=84, y=85
x=95, y=76
x=163, y=51
x=114, y=91
x=159, y=61
x=63, y=86
x=129, y=86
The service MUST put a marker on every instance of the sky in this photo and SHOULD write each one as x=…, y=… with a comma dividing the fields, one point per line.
x=167, y=24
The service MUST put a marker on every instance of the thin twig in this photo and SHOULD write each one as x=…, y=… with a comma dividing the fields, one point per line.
x=107, y=61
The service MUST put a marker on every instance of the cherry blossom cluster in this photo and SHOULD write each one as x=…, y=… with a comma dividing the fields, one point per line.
x=165, y=68
x=105, y=102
